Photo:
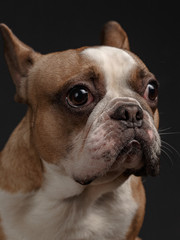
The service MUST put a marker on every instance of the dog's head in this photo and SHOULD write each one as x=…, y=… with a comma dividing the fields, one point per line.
x=92, y=111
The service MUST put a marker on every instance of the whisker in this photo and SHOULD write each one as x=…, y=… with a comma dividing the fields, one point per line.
x=164, y=129
x=169, y=133
x=168, y=149
x=168, y=156
x=171, y=147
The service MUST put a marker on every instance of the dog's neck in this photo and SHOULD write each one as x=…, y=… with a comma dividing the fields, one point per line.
x=76, y=217
x=20, y=166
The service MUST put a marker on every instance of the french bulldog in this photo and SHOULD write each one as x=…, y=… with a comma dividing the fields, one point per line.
x=71, y=170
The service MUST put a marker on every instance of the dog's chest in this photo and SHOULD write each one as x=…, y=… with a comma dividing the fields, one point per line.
x=36, y=216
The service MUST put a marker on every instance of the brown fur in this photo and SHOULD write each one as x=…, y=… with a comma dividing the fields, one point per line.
x=139, y=196
x=111, y=35
x=2, y=236
x=20, y=166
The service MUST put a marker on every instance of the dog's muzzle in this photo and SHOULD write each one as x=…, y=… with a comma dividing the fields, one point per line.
x=131, y=115
x=121, y=139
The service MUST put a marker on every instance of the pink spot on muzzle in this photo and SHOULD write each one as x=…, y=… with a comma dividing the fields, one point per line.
x=150, y=133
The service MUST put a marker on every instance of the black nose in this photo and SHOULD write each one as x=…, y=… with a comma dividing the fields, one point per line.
x=130, y=114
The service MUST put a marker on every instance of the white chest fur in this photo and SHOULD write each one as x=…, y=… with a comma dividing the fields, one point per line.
x=51, y=214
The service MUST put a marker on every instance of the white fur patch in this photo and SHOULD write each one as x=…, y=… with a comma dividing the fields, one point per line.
x=44, y=215
x=116, y=65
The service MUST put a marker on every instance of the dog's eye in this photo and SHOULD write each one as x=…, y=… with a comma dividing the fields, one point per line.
x=79, y=96
x=151, y=92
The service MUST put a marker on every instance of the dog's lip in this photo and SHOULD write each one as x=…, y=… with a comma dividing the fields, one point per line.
x=129, y=156
x=131, y=147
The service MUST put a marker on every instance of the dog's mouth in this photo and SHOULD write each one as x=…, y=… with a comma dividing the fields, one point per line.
x=138, y=158
x=132, y=148
x=112, y=150
x=130, y=156
x=135, y=157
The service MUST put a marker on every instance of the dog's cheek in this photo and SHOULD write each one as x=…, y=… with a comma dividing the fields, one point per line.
x=54, y=132
x=49, y=136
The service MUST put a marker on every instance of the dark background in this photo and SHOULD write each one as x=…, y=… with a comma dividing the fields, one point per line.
x=154, y=33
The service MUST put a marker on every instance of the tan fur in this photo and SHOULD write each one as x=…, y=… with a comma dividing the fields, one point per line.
x=2, y=236
x=20, y=168
x=139, y=196
x=111, y=35
x=48, y=131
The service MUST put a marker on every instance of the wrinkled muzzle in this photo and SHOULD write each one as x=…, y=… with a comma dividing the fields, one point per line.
x=121, y=139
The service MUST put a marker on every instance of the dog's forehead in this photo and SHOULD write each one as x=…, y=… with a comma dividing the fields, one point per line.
x=116, y=65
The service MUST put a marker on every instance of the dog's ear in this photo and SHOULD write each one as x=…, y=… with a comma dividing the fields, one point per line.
x=20, y=58
x=113, y=35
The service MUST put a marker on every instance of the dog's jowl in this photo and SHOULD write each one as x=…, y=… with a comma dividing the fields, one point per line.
x=71, y=170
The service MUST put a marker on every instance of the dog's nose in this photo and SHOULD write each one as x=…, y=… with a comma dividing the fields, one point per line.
x=130, y=114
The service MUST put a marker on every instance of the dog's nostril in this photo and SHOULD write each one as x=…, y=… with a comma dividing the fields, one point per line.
x=121, y=114
x=139, y=114
x=126, y=115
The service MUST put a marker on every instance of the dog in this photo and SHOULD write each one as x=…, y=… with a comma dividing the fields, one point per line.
x=72, y=168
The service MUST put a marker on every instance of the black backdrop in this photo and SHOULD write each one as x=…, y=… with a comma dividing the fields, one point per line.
x=153, y=30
